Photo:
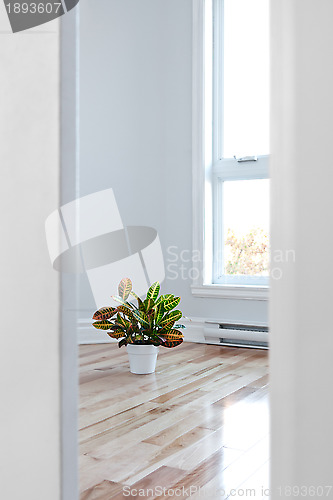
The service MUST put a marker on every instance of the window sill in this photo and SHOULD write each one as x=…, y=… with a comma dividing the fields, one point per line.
x=247, y=292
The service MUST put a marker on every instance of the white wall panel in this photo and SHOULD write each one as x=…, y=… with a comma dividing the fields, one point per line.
x=302, y=208
x=29, y=288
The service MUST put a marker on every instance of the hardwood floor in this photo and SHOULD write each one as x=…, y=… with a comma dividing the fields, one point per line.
x=198, y=427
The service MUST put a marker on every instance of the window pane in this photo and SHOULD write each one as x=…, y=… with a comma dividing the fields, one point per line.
x=246, y=227
x=246, y=78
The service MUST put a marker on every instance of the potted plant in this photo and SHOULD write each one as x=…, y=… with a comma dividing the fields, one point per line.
x=142, y=327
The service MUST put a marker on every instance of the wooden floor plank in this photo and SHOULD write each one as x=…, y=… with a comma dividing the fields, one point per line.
x=164, y=477
x=102, y=491
x=236, y=473
x=204, y=474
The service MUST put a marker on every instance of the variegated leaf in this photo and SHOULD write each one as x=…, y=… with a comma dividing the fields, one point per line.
x=166, y=328
x=159, y=313
x=130, y=330
x=122, y=342
x=171, y=303
x=127, y=311
x=141, y=317
x=105, y=313
x=141, y=305
x=148, y=304
x=173, y=335
x=135, y=295
x=171, y=317
x=117, y=328
x=172, y=343
x=121, y=321
x=163, y=298
x=153, y=291
x=172, y=338
x=116, y=335
x=121, y=301
x=102, y=325
x=124, y=288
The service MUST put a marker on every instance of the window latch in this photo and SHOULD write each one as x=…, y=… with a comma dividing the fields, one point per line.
x=243, y=159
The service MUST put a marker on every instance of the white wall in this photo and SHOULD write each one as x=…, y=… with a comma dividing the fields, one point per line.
x=302, y=207
x=135, y=129
x=29, y=191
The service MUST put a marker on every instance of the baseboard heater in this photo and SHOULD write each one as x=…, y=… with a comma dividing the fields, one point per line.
x=236, y=335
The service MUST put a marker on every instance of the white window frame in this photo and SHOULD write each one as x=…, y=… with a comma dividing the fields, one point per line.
x=209, y=170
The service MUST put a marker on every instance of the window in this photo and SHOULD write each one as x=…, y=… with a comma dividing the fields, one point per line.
x=231, y=144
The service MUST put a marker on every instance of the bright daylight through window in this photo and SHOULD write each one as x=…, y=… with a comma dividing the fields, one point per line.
x=237, y=46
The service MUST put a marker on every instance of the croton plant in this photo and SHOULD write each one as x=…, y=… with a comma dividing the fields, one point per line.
x=151, y=321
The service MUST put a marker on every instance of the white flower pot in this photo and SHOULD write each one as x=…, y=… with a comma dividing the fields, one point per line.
x=142, y=358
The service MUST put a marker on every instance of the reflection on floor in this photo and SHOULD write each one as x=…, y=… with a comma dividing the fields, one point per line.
x=197, y=428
